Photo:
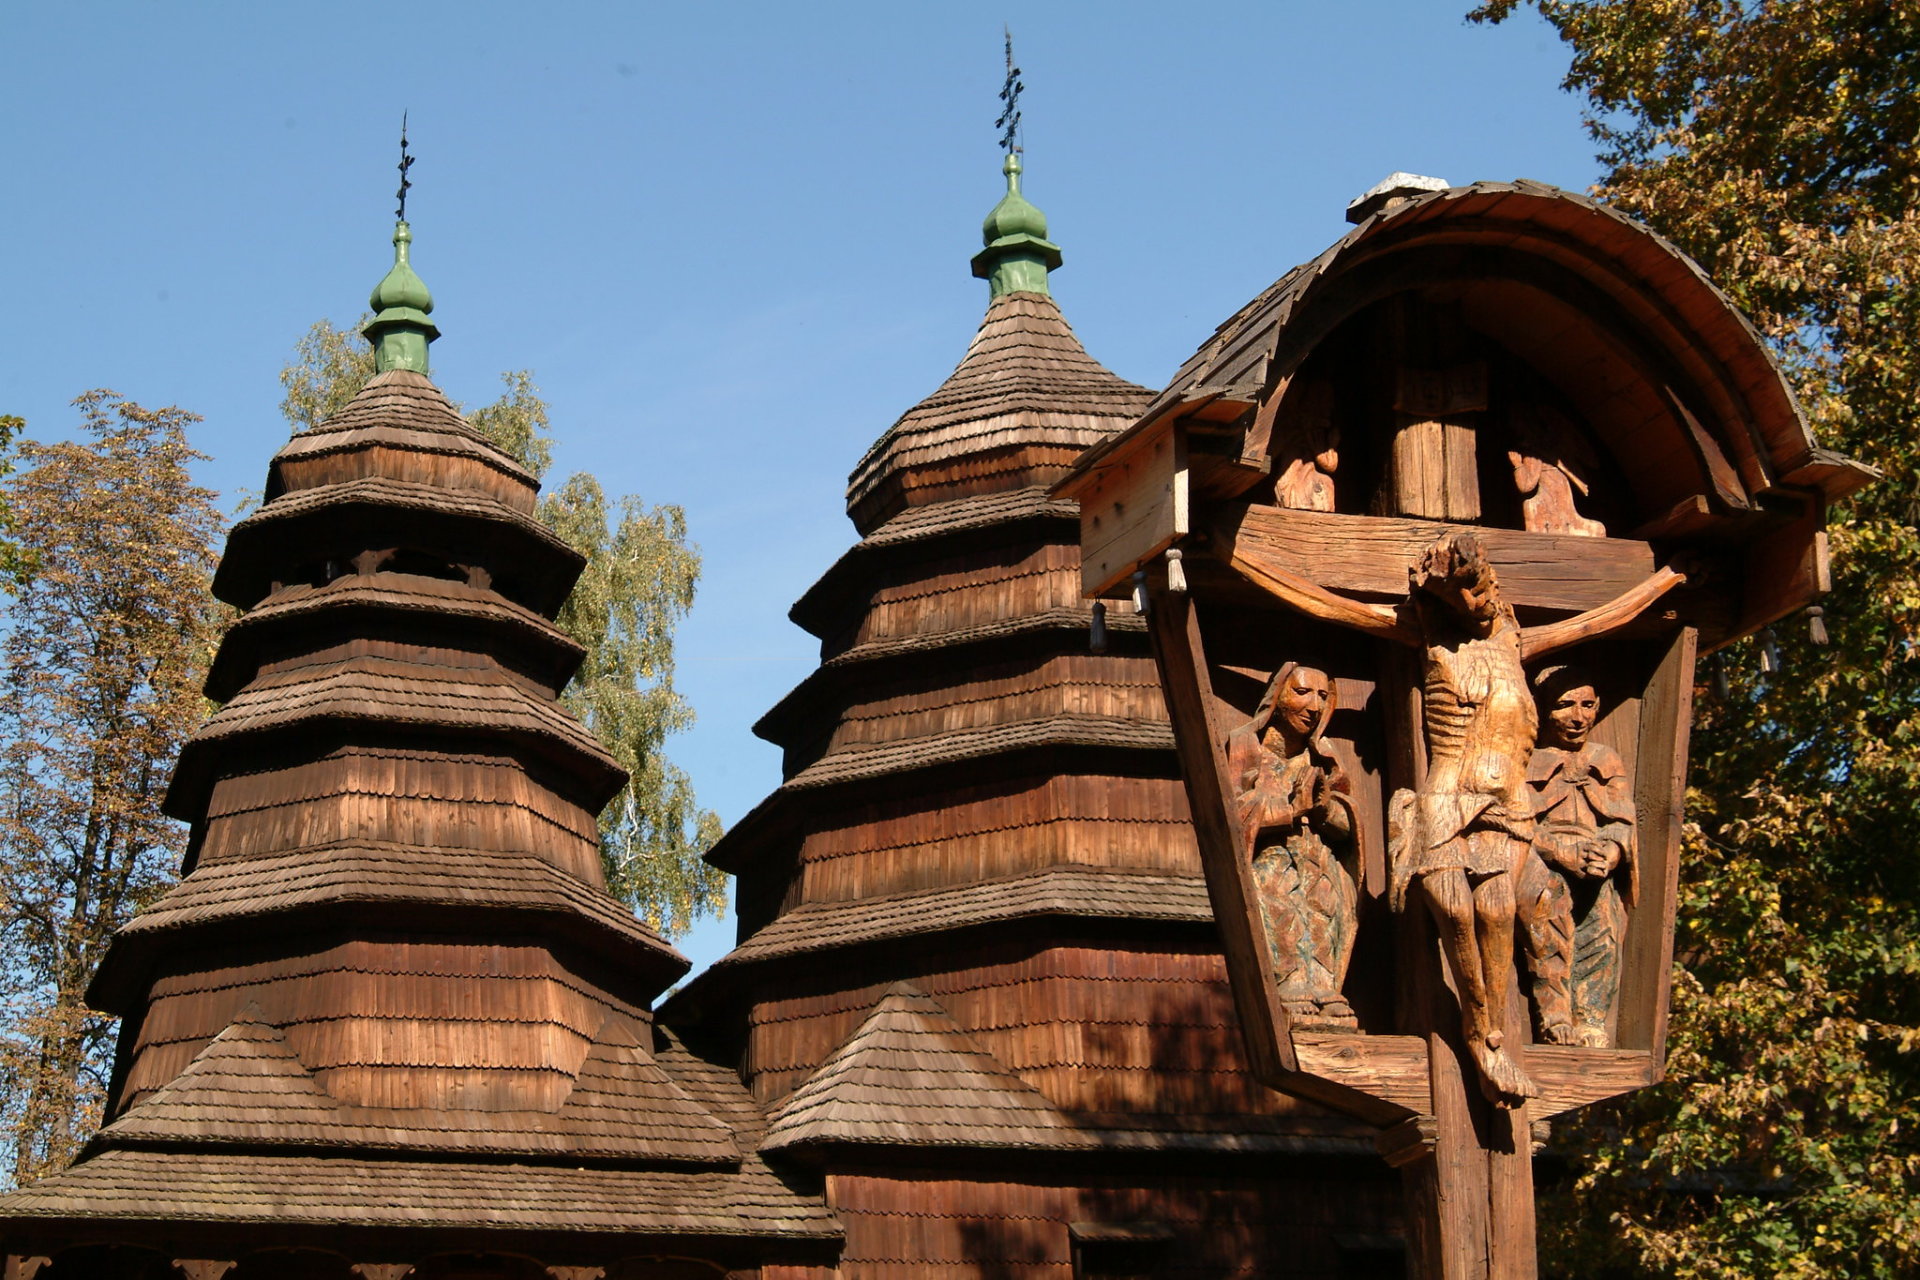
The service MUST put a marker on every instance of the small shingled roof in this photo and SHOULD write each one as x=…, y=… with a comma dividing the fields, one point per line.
x=1096, y=892
x=910, y=1076
x=249, y=1088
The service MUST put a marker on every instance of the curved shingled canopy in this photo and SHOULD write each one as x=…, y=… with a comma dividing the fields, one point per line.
x=1616, y=316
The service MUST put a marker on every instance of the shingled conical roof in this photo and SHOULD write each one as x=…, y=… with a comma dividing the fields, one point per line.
x=1025, y=400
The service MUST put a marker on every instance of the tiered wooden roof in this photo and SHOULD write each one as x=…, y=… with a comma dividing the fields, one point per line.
x=972, y=919
x=391, y=1004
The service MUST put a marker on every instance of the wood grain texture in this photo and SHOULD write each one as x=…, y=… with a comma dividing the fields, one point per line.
x=1131, y=510
x=1660, y=789
x=1369, y=555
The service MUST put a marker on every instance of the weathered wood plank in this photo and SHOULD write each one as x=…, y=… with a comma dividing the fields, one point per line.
x=1131, y=510
x=1183, y=673
x=1568, y=1076
x=1659, y=796
x=1788, y=569
x=1369, y=555
x=1390, y=1067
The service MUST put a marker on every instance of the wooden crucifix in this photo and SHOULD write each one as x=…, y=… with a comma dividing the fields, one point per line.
x=1431, y=697
x=1435, y=768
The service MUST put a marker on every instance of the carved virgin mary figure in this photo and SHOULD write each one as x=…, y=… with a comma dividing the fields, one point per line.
x=1298, y=829
x=1581, y=877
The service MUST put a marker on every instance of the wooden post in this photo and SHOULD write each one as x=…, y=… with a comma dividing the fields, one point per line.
x=1467, y=1168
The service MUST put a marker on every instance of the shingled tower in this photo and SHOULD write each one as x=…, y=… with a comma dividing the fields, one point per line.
x=390, y=1022
x=978, y=983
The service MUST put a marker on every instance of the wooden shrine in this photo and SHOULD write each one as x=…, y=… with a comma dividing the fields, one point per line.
x=1429, y=538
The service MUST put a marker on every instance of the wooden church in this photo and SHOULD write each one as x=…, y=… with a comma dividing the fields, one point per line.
x=979, y=1022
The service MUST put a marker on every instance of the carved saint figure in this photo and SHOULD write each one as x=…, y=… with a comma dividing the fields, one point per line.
x=1458, y=842
x=1582, y=875
x=1297, y=821
x=1548, y=459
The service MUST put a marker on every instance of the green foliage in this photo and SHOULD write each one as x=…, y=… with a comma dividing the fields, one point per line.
x=1774, y=141
x=105, y=652
x=328, y=368
x=15, y=564
x=638, y=583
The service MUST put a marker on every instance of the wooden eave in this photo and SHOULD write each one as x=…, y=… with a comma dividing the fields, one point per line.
x=973, y=748
x=401, y=411
x=390, y=695
x=418, y=608
x=1092, y=744
x=248, y=1088
x=769, y=822
x=209, y=1201
x=340, y=520
x=1065, y=890
x=1672, y=309
x=1025, y=381
x=1053, y=631
x=990, y=519
x=120, y=983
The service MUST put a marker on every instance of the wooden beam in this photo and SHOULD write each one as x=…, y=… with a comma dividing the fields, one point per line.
x=1569, y=1076
x=1132, y=509
x=1370, y=555
x=1393, y=1068
x=1786, y=570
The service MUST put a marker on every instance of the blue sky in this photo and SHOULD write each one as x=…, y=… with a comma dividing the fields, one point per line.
x=730, y=240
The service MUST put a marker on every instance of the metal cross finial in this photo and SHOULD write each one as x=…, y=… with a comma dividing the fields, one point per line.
x=1009, y=121
x=406, y=163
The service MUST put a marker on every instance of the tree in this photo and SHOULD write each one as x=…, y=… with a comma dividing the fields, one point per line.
x=14, y=563
x=638, y=583
x=105, y=652
x=1774, y=140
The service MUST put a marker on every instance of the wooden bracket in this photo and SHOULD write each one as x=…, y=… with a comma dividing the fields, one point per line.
x=204, y=1268
x=382, y=1270
x=25, y=1266
x=1411, y=1140
x=577, y=1273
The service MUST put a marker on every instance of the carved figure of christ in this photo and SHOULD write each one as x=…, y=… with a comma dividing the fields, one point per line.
x=1466, y=831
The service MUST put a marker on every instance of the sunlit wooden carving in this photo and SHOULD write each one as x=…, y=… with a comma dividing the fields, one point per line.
x=1456, y=842
x=1550, y=461
x=1580, y=879
x=1313, y=443
x=1297, y=820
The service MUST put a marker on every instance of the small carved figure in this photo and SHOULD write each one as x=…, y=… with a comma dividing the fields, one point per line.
x=1295, y=806
x=1548, y=460
x=1462, y=837
x=1582, y=874
x=1307, y=482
